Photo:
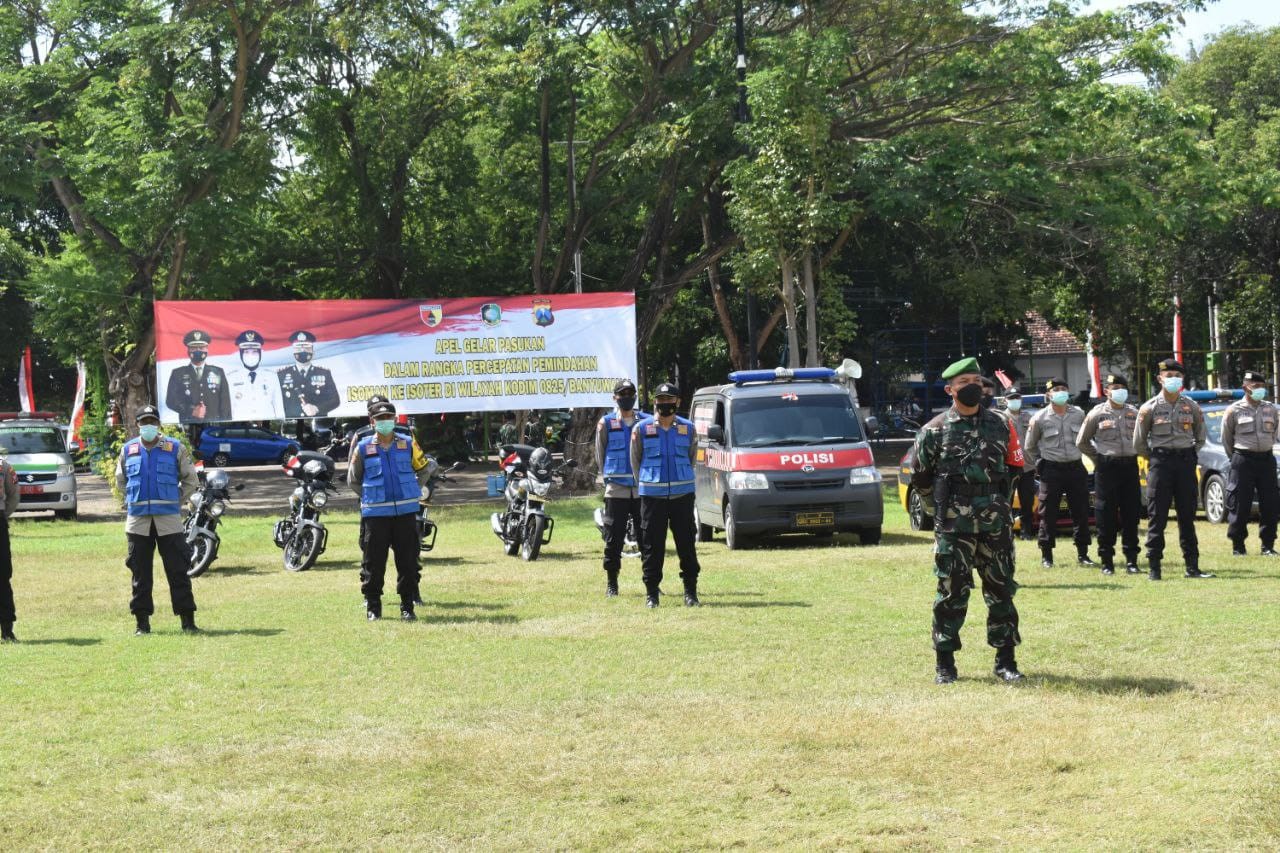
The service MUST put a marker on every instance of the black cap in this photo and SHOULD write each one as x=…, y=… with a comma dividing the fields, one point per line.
x=1116, y=379
x=386, y=407
x=301, y=338
x=667, y=389
x=988, y=382
x=1013, y=394
x=196, y=337
x=1250, y=376
x=147, y=412
x=623, y=386
x=373, y=401
x=1055, y=382
x=1171, y=364
x=249, y=339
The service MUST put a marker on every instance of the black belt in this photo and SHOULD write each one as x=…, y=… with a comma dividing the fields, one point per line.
x=1115, y=460
x=1174, y=453
x=1072, y=463
x=1255, y=454
x=974, y=490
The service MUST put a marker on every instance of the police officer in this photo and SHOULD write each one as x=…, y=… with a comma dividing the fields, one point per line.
x=198, y=391
x=1051, y=449
x=1107, y=439
x=308, y=389
x=613, y=458
x=1025, y=483
x=12, y=494
x=382, y=472
x=963, y=466
x=156, y=476
x=255, y=393
x=1170, y=432
x=1249, y=430
x=662, y=451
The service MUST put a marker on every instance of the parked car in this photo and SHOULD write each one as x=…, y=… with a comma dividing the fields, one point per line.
x=34, y=444
x=1213, y=463
x=224, y=446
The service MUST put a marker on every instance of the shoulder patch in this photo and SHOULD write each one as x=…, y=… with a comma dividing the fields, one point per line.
x=401, y=444
x=371, y=449
x=651, y=428
x=134, y=448
x=682, y=429
x=166, y=444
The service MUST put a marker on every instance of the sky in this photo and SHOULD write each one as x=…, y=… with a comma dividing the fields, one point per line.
x=1216, y=17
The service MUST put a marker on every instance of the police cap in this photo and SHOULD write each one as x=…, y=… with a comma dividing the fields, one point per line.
x=147, y=411
x=386, y=407
x=1116, y=379
x=249, y=339
x=1250, y=376
x=624, y=386
x=1171, y=364
x=302, y=339
x=1054, y=383
x=667, y=389
x=196, y=338
x=373, y=401
x=964, y=365
x=1013, y=394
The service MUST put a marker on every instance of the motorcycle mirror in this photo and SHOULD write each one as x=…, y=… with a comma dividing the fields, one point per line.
x=458, y=466
x=239, y=486
x=572, y=463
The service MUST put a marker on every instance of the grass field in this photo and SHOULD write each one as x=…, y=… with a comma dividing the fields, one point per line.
x=796, y=709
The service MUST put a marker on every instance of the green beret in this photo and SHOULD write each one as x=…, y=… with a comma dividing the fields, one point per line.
x=964, y=365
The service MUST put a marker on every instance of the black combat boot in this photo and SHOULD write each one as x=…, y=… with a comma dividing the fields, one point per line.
x=144, y=626
x=651, y=599
x=406, y=612
x=1238, y=549
x=1046, y=557
x=1006, y=667
x=1082, y=558
x=1131, y=565
x=945, y=670
x=691, y=594
x=189, y=623
x=6, y=633
x=1108, y=568
x=611, y=583
x=373, y=609
x=1193, y=571
x=1153, y=570
x=1269, y=551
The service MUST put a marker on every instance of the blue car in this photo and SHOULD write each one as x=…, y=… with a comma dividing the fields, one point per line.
x=222, y=446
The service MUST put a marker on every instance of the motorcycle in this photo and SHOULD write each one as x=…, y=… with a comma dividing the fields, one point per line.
x=302, y=535
x=524, y=527
x=201, y=524
x=427, y=527
x=338, y=446
x=630, y=542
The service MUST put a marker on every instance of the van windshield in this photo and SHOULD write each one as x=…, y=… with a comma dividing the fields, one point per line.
x=783, y=422
x=32, y=440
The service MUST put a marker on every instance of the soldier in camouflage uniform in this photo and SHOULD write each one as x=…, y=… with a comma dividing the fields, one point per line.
x=965, y=462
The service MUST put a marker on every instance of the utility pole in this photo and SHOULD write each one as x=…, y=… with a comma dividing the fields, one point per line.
x=742, y=115
x=573, y=210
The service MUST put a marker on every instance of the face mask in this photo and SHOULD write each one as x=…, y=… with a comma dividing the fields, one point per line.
x=302, y=357
x=666, y=409
x=1258, y=394
x=1015, y=405
x=1119, y=396
x=198, y=355
x=251, y=358
x=626, y=404
x=969, y=395
x=149, y=432
x=1172, y=384
x=1060, y=398
x=386, y=426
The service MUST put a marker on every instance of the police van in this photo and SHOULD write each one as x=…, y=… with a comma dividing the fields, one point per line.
x=783, y=451
x=36, y=447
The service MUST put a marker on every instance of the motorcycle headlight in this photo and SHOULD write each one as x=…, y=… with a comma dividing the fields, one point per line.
x=539, y=487
x=217, y=508
x=742, y=480
x=319, y=499
x=859, y=476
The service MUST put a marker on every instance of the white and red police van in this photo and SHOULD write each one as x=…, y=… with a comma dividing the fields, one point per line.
x=783, y=451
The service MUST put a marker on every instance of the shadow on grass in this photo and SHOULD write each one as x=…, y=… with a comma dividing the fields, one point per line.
x=62, y=641
x=474, y=618
x=428, y=560
x=240, y=632
x=469, y=605
x=1110, y=685
x=756, y=604
x=215, y=570
x=1111, y=587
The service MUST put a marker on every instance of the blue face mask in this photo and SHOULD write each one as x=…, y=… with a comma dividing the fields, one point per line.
x=1119, y=396
x=1258, y=393
x=1172, y=384
x=1060, y=398
x=1015, y=405
x=386, y=426
x=149, y=432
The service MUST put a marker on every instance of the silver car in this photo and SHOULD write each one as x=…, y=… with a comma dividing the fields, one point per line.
x=36, y=449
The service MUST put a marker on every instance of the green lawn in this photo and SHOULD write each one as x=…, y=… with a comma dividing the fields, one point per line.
x=795, y=709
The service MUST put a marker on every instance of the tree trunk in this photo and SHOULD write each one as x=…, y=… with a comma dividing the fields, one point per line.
x=737, y=358
x=811, y=355
x=544, y=187
x=789, y=307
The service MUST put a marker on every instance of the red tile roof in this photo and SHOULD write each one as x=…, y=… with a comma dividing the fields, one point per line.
x=1046, y=340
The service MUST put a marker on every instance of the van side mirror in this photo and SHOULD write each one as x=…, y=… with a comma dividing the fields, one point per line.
x=873, y=425
x=715, y=433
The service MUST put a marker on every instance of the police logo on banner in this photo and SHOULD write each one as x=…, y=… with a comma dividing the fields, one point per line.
x=542, y=312
x=431, y=315
x=491, y=313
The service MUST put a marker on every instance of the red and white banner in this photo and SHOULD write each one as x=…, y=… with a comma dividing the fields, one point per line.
x=257, y=360
x=77, y=409
x=1177, y=329
x=26, y=390
x=1095, y=367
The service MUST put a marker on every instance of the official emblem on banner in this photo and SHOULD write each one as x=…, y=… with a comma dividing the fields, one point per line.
x=491, y=313
x=431, y=315
x=542, y=312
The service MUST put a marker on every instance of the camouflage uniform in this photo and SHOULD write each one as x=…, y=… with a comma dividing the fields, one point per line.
x=963, y=470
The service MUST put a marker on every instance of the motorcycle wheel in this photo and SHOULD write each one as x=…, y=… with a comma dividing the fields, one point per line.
x=302, y=550
x=202, y=556
x=532, y=538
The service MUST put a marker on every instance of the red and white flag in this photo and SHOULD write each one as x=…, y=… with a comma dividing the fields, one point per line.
x=26, y=392
x=1094, y=365
x=1177, y=329
x=77, y=410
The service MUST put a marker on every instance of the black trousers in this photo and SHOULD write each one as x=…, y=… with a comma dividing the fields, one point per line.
x=616, y=513
x=1026, y=485
x=176, y=557
x=656, y=515
x=1117, y=505
x=1058, y=479
x=7, y=613
x=1250, y=473
x=398, y=534
x=1171, y=480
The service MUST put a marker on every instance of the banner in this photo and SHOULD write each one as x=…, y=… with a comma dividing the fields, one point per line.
x=258, y=360
x=26, y=389
x=77, y=408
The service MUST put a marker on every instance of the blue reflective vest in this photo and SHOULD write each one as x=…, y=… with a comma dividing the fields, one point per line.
x=665, y=468
x=617, y=449
x=389, y=486
x=151, y=478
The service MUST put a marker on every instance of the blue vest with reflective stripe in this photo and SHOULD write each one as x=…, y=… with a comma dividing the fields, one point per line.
x=665, y=469
x=617, y=450
x=151, y=478
x=389, y=486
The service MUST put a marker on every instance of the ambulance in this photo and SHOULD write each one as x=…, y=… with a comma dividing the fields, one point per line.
x=783, y=451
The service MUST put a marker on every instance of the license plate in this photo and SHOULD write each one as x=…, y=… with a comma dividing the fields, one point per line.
x=31, y=490
x=815, y=519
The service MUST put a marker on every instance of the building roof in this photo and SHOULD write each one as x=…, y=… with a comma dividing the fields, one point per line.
x=1046, y=340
